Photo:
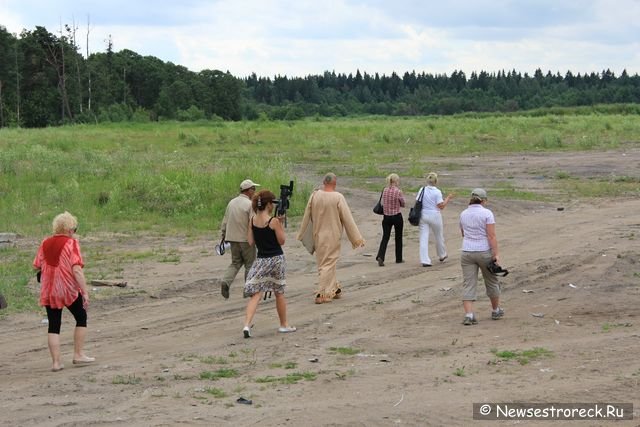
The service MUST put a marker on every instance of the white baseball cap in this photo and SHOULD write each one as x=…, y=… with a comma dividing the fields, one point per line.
x=247, y=184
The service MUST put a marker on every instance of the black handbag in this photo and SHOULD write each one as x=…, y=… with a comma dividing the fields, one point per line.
x=416, y=211
x=378, y=209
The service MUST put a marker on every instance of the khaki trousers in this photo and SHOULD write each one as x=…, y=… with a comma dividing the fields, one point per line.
x=471, y=262
x=242, y=254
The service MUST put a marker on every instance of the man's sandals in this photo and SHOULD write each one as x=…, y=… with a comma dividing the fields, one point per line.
x=321, y=300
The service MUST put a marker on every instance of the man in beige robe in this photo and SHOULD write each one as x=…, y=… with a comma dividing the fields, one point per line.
x=329, y=212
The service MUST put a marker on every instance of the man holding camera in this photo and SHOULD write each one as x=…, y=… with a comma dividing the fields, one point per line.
x=234, y=229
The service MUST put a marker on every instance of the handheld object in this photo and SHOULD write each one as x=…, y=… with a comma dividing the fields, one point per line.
x=497, y=269
x=222, y=247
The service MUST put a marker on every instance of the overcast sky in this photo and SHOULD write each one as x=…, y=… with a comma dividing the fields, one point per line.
x=300, y=37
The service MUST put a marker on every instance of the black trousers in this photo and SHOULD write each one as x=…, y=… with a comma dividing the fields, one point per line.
x=397, y=223
x=76, y=308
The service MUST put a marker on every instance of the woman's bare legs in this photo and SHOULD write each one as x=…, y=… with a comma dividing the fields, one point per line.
x=252, y=307
x=281, y=307
x=54, y=349
x=79, y=335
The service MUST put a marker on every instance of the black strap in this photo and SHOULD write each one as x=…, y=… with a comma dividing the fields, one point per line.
x=266, y=225
x=421, y=194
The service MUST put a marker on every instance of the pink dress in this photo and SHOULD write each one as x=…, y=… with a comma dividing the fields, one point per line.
x=55, y=258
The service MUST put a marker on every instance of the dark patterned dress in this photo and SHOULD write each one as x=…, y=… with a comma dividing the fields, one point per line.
x=268, y=270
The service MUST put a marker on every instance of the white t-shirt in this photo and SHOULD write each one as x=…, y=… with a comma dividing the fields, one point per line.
x=430, y=199
x=473, y=222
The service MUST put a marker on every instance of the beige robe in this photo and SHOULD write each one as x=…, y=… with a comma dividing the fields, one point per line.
x=330, y=215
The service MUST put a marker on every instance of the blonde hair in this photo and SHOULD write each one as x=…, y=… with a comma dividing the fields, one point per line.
x=393, y=179
x=64, y=222
x=432, y=178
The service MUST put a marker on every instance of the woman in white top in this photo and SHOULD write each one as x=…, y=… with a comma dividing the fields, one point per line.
x=479, y=247
x=431, y=219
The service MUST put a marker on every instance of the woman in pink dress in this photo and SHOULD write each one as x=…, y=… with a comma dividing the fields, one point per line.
x=59, y=266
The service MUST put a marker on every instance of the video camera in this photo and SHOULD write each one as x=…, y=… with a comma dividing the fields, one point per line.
x=286, y=191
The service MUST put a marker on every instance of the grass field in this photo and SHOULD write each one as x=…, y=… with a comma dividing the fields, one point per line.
x=176, y=178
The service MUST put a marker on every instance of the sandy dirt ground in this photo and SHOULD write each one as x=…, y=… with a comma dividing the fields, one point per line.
x=392, y=351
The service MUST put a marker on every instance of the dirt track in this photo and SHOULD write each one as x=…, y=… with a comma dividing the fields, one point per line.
x=416, y=365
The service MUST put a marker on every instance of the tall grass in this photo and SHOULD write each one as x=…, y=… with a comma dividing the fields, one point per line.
x=176, y=178
x=139, y=178
x=15, y=272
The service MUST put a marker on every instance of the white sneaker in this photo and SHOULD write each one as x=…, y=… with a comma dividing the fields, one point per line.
x=287, y=329
x=247, y=332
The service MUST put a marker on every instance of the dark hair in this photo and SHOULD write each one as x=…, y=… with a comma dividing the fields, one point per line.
x=261, y=199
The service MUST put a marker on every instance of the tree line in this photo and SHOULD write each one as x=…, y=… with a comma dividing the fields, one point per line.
x=45, y=80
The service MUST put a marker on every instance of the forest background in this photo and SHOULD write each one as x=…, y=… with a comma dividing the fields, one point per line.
x=46, y=81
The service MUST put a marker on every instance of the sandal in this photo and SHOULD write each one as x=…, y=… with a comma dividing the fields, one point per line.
x=321, y=299
x=85, y=361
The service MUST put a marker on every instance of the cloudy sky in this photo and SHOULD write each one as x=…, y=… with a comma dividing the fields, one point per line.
x=300, y=37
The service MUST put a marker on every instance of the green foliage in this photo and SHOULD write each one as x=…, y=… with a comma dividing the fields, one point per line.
x=191, y=114
x=214, y=360
x=348, y=351
x=126, y=380
x=215, y=392
x=292, y=378
x=136, y=176
x=525, y=356
x=287, y=365
x=179, y=177
x=115, y=113
x=459, y=372
x=140, y=115
x=220, y=373
x=606, y=327
x=15, y=273
x=602, y=187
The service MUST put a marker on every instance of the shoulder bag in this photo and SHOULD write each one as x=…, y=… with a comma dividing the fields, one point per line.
x=378, y=209
x=416, y=211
